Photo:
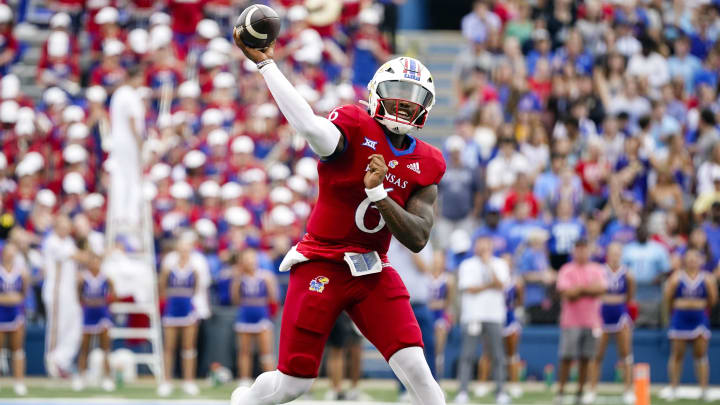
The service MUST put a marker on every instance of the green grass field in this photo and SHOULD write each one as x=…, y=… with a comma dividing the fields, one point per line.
x=44, y=391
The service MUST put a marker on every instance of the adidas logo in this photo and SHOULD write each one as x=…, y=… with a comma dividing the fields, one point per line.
x=415, y=166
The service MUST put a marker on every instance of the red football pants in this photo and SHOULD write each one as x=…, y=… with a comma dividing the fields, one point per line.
x=379, y=305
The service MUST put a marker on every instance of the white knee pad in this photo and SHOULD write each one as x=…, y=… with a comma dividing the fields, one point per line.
x=701, y=360
x=188, y=354
x=629, y=360
x=411, y=368
x=515, y=358
x=274, y=387
x=19, y=354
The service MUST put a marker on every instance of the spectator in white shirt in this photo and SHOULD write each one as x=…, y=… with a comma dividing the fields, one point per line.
x=503, y=170
x=649, y=65
x=481, y=282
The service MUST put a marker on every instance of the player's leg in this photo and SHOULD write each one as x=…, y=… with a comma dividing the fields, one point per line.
x=308, y=315
x=596, y=365
x=265, y=342
x=700, y=345
x=17, y=345
x=396, y=333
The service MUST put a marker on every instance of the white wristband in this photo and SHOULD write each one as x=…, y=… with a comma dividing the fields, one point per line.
x=376, y=193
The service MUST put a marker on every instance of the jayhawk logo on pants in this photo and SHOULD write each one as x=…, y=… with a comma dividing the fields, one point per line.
x=318, y=283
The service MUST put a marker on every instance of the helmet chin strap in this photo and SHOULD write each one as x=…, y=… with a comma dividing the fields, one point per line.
x=396, y=127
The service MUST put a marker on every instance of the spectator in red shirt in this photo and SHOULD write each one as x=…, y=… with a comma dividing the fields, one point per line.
x=211, y=207
x=594, y=170
x=242, y=158
x=10, y=90
x=107, y=21
x=189, y=103
x=60, y=68
x=138, y=42
x=222, y=98
x=521, y=191
x=185, y=15
x=61, y=22
x=110, y=74
x=211, y=64
x=141, y=10
x=165, y=69
x=206, y=30
x=73, y=8
x=541, y=81
x=222, y=12
x=9, y=46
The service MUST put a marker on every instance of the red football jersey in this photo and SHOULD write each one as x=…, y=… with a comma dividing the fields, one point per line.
x=344, y=220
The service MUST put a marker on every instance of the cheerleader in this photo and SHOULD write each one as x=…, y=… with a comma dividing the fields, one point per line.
x=14, y=283
x=95, y=291
x=689, y=295
x=254, y=291
x=514, y=299
x=617, y=323
x=177, y=286
x=439, y=304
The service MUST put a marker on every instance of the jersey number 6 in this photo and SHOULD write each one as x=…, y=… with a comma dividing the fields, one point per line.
x=360, y=216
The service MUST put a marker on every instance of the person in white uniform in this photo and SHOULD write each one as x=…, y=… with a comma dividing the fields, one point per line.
x=64, y=314
x=127, y=128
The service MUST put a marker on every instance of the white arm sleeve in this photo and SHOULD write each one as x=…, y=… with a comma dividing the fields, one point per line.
x=322, y=135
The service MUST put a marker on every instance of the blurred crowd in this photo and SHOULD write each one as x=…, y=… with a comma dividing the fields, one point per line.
x=595, y=120
x=218, y=158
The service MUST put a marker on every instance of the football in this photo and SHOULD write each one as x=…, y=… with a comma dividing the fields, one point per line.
x=258, y=26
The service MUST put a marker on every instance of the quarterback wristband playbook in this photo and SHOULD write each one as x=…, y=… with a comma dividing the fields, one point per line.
x=264, y=63
x=376, y=193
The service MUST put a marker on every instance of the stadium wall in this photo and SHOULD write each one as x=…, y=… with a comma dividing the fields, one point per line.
x=538, y=348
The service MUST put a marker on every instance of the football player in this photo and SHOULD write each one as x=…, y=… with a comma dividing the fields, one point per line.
x=375, y=181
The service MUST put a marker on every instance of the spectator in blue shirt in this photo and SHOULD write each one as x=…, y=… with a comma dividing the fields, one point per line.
x=516, y=228
x=532, y=265
x=565, y=230
x=548, y=182
x=477, y=25
x=491, y=228
x=542, y=49
x=712, y=231
x=683, y=64
x=648, y=261
x=621, y=229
